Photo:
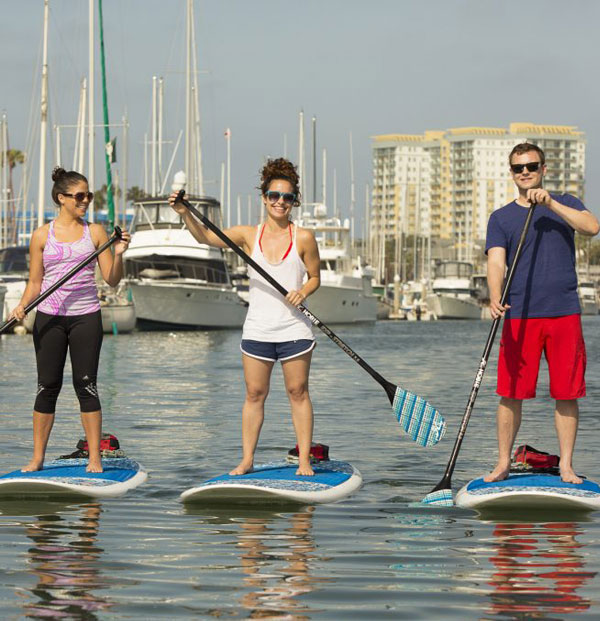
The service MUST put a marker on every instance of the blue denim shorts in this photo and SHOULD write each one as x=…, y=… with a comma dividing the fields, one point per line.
x=277, y=351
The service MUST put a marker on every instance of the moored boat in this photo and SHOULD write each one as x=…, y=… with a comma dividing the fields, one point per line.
x=452, y=294
x=177, y=283
x=587, y=298
x=346, y=293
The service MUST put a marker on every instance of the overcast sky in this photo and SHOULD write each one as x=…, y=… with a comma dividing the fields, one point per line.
x=366, y=67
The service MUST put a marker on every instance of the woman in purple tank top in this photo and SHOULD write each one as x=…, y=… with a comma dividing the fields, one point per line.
x=69, y=320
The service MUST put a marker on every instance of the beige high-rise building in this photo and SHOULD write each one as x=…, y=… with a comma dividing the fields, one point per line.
x=445, y=184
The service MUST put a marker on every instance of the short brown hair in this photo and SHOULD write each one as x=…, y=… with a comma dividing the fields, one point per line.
x=525, y=147
x=280, y=168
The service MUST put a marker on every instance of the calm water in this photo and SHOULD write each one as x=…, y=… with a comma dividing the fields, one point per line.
x=174, y=402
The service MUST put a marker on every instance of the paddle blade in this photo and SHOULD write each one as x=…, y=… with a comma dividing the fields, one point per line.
x=421, y=421
x=439, y=498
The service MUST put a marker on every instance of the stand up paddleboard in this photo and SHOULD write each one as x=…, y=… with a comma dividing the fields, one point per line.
x=278, y=482
x=67, y=475
x=530, y=490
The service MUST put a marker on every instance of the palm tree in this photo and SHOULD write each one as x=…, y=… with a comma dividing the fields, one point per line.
x=135, y=193
x=13, y=157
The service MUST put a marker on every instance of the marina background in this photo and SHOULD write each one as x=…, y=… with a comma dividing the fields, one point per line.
x=372, y=556
x=383, y=68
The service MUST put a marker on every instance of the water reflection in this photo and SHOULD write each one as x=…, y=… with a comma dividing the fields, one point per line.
x=539, y=569
x=277, y=557
x=64, y=559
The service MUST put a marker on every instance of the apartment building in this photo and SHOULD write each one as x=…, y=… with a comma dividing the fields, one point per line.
x=445, y=184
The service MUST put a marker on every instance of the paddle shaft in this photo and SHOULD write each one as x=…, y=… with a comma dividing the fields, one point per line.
x=388, y=386
x=59, y=283
x=445, y=483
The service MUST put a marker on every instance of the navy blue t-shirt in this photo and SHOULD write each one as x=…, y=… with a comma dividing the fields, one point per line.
x=545, y=281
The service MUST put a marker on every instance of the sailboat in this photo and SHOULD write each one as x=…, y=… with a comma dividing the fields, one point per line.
x=177, y=283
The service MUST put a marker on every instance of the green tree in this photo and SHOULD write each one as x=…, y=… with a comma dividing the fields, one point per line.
x=135, y=193
x=13, y=157
x=100, y=197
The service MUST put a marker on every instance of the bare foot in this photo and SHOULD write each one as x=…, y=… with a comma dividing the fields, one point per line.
x=94, y=465
x=305, y=469
x=568, y=476
x=499, y=473
x=33, y=465
x=242, y=468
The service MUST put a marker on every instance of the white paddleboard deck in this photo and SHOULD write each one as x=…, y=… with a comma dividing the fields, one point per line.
x=68, y=478
x=278, y=482
x=530, y=491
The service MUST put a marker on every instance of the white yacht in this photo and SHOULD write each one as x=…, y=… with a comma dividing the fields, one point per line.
x=14, y=273
x=452, y=294
x=587, y=298
x=118, y=310
x=346, y=293
x=177, y=283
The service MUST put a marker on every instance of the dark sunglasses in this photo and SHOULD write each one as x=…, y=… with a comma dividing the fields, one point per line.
x=80, y=196
x=531, y=167
x=274, y=196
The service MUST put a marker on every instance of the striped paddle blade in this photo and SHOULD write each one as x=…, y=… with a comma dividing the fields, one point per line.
x=421, y=421
x=439, y=498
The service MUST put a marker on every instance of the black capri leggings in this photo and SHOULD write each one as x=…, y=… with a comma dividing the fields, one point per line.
x=82, y=336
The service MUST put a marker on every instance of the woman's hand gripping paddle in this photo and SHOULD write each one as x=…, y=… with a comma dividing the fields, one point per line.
x=441, y=494
x=116, y=236
x=420, y=420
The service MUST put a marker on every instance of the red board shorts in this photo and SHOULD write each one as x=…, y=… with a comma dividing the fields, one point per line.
x=521, y=346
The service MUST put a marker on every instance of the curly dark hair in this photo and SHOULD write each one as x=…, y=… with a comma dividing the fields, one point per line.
x=63, y=180
x=280, y=168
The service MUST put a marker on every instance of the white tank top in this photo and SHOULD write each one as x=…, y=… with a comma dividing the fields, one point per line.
x=271, y=318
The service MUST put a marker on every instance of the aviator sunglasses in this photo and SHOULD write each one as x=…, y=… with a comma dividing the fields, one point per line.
x=273, y=196
x=80, y=196
x=531, y=167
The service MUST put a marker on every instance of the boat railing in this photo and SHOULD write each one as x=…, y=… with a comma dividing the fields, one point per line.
x=158, y=269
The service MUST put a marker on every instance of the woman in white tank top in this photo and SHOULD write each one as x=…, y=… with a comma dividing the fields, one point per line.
x=274, y=329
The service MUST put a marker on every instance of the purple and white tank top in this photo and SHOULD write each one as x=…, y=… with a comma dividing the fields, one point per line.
x=79, y=295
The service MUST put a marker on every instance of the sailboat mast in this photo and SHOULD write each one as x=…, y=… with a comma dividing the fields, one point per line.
x=153, y=140
x=44, y=121
x=90, y=175
x=352, y=195
x=314, y=159
x=196, y=113
x=188, y=91
x=108, y=150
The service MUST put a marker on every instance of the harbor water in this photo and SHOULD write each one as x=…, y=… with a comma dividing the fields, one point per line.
x=174, y=401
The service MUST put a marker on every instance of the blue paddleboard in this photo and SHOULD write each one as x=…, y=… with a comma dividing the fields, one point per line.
x=529, y=490
x=278, y=482
x=68, y=477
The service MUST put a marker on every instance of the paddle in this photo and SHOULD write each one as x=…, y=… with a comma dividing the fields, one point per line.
x=441, y=494
x=421, y=421
x=59, y=283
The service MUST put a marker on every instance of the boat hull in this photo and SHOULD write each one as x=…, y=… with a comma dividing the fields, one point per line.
x=337, y=305
x=118, y=318
x=449, y=307
x=588, y=307
x=186, y=306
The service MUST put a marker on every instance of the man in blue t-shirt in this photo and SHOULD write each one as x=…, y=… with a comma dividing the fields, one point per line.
x=542, y=312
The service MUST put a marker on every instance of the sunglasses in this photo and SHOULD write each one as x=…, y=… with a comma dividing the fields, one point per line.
x=531, y=167
x=80, y=196
x=287, y=197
